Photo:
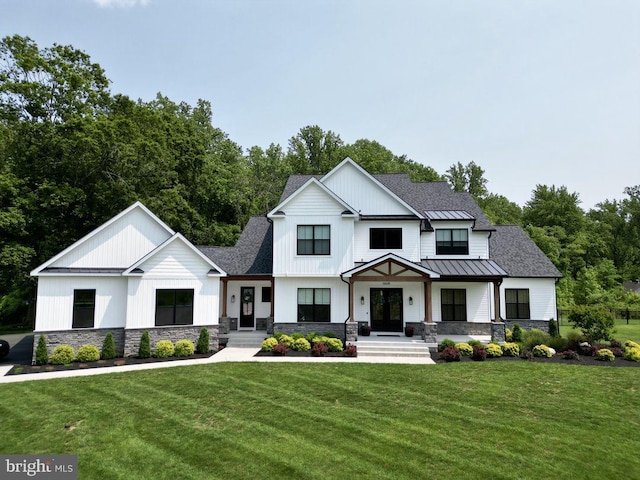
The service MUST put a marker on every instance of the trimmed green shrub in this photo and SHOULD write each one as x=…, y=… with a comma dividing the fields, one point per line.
x=475, y=343
x=595, y=321
x=605, y=354
x=108, y=347
x=329, y=335
x=334, y=344
x=631, y=344
x=553, y=328
x=62, y=355
x=508, y=334
x=268, y=344
x=533, y=337
x=493, y=350
x=464, y=348
x=632, y=353
x=184, y=348
x=510, y=349
x=277, y=335
x=447, y=342
x=144, y=350
x=42, y=353
x=516, y=333
x=164, y=349
x=541, y=351
x=88, y=353
x=557, y=343
x=286, y=339
x=301, y=345
x=310, y=336
x=203, y=341
x=319, y=339
x=297, y=335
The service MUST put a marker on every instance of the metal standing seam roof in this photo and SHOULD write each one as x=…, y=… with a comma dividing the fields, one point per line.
x=465, y=268
x=82, y=270
x=449, y=215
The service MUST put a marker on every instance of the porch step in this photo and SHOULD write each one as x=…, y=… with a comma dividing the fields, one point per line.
x=251, y=339
x=377, y=348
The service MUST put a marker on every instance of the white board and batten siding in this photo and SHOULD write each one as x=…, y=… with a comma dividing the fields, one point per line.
x=173, y=267
x=410, y=313
x=55, y=301
x=261, y=309
x=410, y=240
x=286, y=297
x=478, y=300
x=542, y=296
x=118, y=245
x=478, y=241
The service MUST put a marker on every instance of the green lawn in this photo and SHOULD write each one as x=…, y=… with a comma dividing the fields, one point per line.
x=623, y=331
x=243, y=421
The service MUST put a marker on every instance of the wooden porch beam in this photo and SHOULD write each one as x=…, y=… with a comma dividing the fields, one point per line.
x=496, y=302
x=224, y=297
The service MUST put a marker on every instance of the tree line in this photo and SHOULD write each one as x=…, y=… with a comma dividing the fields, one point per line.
x=73, y=155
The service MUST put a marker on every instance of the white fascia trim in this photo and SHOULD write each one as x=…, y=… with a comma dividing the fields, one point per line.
x=312, y=181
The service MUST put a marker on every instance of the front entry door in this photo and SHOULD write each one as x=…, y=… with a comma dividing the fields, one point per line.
x=247, y=295
x=386, y=309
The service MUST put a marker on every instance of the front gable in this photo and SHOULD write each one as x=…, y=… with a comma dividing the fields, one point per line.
x=115, y=244
x=312, y=198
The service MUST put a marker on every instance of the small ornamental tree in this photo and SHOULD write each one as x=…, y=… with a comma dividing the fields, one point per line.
x=516, y=333
x=595, y=321
x=203, y=341
x=553, y=328
x=108, y=347
x=144, y=351
x=42, y=354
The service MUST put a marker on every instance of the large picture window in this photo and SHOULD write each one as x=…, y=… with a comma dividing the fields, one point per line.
x=385, y=238
x=454, y=304
x=452, y=241
x=174, y=307
x=314, y=239
x=314, y=304
x=517, y=303
x=84, y=308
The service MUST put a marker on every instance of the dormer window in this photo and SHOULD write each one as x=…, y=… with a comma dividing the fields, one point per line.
x=314, y=239
x=452, y=241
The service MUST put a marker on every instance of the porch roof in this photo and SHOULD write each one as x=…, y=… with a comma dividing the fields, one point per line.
x=392, y=258
x=472, y=268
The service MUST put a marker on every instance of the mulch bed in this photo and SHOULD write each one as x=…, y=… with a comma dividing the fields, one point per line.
x=582, y=360
x=293, y=353
x=116, y=362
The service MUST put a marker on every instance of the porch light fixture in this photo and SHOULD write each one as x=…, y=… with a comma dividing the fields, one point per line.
x=410, y=300
x=233, y=299
x=361, y=300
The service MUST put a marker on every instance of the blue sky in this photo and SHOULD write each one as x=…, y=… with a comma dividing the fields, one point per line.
x=535, y=92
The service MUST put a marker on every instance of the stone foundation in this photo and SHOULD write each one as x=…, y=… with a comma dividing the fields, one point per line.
x=351, y=331
x=127, y=341
x=418, y=328
x=464, y=328
x=261, y=324
x=338, y=329
x=528, y=324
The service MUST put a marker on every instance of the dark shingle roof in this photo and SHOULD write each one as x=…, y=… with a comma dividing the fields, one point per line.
x=252, y=254
x=514, y=251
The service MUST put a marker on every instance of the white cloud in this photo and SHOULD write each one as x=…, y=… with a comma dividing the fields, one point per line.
x=122, y=3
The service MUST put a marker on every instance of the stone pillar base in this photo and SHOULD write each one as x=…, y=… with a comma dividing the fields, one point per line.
x=351, y=331
x=430, y=332
x=498, y=333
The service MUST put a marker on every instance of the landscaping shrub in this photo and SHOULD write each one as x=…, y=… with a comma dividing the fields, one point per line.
x=184, y=348
x=334, y=345
x=516, y=333
x=493, y=350
x=297, y=335
x=320, y=339
x=617, y=352
x=286, y=339
x=144, y=350
x=574, y=339
x=450, y=354
x=62, y=355
x=203, y=341
x=569, y=355
x=558, y=343
x=164, y=349
x=553, y=328
x=464, y=348
x=475, y=343
x=533, y=337
x=595, y=321
x=281, y=349
x=605, y=354
x=351, y=350
x=329, y=335
x=88, y=353
x=510, y=349
x=310, y=336
x=277, y=335
x=541, y=351
x=508, y=335
x=447, y=342
x=108, y=347
x=632, y=353
x=268, y=344
x=301, y=345
x=319, y=349
x=42, y=354
x=479, y=353
x=631, y=344
x=615, y=344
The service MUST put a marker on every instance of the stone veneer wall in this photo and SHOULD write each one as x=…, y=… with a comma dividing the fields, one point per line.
x=79, y=337
x=464, y=328
x=261, y=323
x=173, y=333
x=127, y=341
x=498, y=332
x=338, y=329
x=529, y=324
x=430, y=332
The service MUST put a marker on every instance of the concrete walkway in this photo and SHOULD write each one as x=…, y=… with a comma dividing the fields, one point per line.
x=229, y=354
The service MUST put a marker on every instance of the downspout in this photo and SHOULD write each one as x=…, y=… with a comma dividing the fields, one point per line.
x=349, y=307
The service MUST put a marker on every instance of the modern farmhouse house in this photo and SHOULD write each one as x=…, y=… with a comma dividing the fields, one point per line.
x=340, y=251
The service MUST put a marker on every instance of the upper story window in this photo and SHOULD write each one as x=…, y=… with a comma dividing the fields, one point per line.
x=314, y=239
x=452, y=241
x=84, y=308
x=385, y=238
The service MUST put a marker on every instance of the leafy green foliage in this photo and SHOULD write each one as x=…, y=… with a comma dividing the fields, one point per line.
x=516, y=333
x=605, y=354
x=464, y=348
x=268, y=344
x=533, y=337
x=301, y=345
x=595, y=322
x=493, y=350
x=553, y=328
x=164, y=349
x=446, y=342
x=632, y=353
x=184, y=348
x=541, y=351
x=108, y=347
x=203, y=341
x=334, y=345
x=42, y=353
x=144, y=350
x=62, y=355
x=88, y=353
x=510, y=349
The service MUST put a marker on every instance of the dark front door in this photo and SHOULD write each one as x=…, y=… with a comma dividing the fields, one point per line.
x=386, y=309
x=247, y=295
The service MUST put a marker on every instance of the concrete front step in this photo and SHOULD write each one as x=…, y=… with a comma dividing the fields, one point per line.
x=393, y=349
x=250, y=339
